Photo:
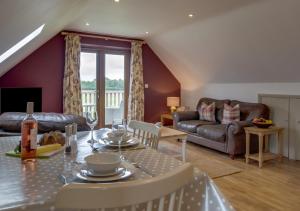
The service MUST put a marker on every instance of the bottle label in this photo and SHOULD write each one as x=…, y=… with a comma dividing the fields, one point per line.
x=33, y=138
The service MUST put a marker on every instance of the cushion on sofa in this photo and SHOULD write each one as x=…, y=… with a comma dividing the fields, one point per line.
x=11, y=121
x=207, y=112
x=219, y=106
x=231, y=113
x=213, y=132
x=191, y=125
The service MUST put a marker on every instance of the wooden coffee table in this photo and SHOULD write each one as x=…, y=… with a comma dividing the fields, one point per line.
x=169, y=133
x=263, y=135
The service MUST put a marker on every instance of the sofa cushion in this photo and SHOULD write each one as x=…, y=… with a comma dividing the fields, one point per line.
x=213, y=132
x=11, y=121
x=207, y=112
x=191, y=125
x=231, y=113
x=219, y=106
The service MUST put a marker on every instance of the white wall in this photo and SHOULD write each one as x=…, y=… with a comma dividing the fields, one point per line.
x=239, y=91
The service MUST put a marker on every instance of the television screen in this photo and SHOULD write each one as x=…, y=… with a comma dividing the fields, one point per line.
x=15, y=99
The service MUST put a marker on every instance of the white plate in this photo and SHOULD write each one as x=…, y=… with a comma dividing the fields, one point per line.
x=97, y=174
x=129, y=171
x=131, y=142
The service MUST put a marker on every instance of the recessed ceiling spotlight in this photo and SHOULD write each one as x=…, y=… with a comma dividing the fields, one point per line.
x=87, y=23
x=147, y=32
x=117, y=1
x=191, y=15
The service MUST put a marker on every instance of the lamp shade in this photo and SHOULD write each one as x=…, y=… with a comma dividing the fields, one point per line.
x=173, y=101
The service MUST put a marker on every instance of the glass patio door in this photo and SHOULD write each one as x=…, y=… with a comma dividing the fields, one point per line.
x=88, y=77
x=104, y=84
x=114, y=87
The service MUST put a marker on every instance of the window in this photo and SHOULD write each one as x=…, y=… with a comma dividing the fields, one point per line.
x=21, y=43
x=104, y=77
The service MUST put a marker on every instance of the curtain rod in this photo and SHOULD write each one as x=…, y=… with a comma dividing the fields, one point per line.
x=102, y=37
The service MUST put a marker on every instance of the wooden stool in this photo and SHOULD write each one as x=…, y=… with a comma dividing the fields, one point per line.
x=263, y=135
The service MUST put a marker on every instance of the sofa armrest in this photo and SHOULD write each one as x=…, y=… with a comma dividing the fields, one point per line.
x=238, y=127
x=185, y=115
x=236, y=137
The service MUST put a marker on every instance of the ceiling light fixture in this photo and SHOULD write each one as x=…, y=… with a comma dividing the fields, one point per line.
x=87, y=23
x=21, y=43
x=191, y=15
x=117, y=1
x=147, y=32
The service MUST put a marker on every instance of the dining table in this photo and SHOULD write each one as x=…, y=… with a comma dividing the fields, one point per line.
x=33, y=186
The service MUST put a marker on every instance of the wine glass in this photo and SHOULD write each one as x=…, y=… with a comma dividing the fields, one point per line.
x=125, y=123
x=119, y=125
x=91, y=120
x=115, y=124
x=118, y=131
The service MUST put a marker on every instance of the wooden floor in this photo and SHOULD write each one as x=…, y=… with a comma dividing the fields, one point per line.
x=276, y=186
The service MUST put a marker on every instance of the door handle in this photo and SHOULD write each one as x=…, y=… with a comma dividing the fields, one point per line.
x=98, y=95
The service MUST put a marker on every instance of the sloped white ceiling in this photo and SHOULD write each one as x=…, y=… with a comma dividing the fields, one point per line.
x=256, y=43
x=18, y=18
x=226, y=41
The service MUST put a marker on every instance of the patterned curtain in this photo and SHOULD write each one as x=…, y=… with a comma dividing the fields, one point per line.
x=71, y=88
x=136, y=90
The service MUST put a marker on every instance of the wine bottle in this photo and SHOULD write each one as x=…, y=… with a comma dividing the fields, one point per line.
x=29, y=136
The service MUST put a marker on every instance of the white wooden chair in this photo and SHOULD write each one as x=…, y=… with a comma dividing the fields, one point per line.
x=148, y=133
x=160, y=189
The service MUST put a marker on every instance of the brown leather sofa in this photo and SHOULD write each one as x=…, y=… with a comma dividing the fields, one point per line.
x=10, y=122
x=229, y=138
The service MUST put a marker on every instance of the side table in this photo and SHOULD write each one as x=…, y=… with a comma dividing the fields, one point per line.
x=166, y=119
x=263, y=135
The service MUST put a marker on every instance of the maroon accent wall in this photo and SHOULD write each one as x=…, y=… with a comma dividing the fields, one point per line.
x=45, y=66
x=161, y=83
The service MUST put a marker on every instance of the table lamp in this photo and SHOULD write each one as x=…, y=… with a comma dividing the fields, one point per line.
x=173, y=102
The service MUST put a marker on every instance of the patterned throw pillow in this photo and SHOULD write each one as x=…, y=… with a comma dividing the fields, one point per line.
x=207, y=112
x=231, y=114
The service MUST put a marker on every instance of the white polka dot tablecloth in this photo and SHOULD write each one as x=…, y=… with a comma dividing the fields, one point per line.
x=34, y=186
